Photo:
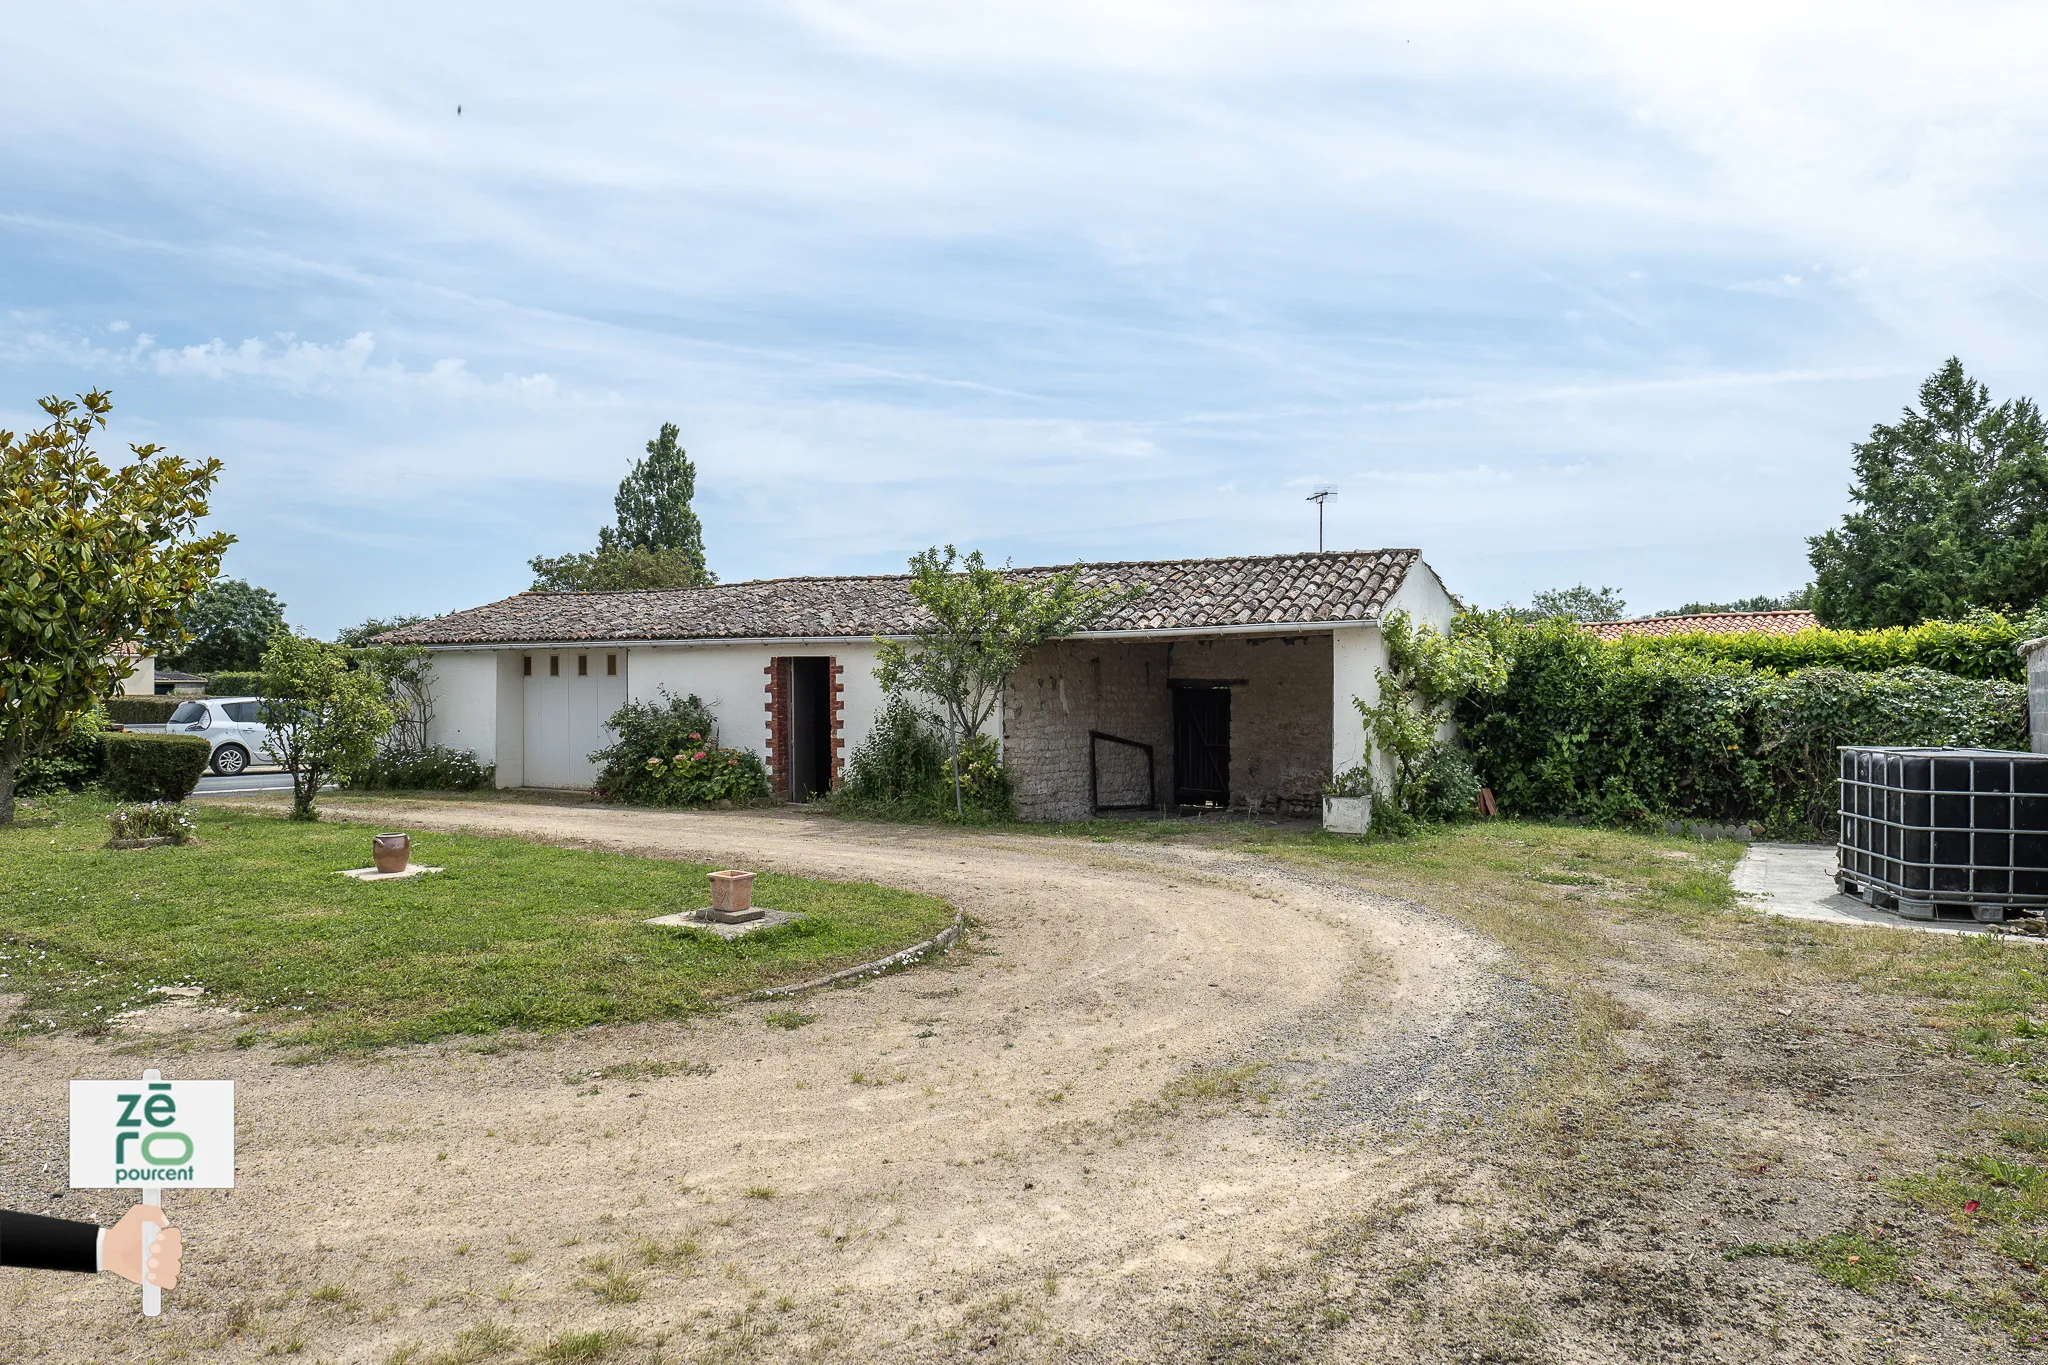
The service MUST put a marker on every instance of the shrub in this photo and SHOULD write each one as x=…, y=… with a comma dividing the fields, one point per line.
x=1985, y=645
x=141, y=710
x=667, y=754
x=904, y=768
x=697, y=776
x=71, y=765
x=153, y=821
x=234, y=684
x=151, y=767
x=1583, y=730
x=435, y=768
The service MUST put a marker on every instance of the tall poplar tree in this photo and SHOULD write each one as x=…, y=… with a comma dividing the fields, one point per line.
x=658, y=542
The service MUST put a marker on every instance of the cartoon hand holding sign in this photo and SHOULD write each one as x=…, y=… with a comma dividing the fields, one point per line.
x=144, y=1135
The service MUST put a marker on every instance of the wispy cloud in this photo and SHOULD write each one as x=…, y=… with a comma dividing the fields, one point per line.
x=1597, y=290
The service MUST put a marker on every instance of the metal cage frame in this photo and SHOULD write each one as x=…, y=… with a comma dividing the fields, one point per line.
x=1926, y=829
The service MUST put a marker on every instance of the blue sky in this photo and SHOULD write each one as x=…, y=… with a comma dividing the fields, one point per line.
x=1600, y=294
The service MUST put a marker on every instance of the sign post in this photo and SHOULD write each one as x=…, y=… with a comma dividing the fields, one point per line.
x=149, y=1134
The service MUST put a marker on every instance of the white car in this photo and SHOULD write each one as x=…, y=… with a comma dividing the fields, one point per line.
x=238, y=734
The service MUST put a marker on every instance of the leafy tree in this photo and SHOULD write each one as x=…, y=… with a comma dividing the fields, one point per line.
x=612, y=569
x=1799, y=599
x=658, y=541
x=229, y=623
x=653, y=505
x=326, y=716
x=1950, y=512
x=1579, y=603
x=91, y=558
x=983, y=622
x=362, y=636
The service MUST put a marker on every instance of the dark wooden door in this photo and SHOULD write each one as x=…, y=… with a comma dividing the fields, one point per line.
x=1201, y=746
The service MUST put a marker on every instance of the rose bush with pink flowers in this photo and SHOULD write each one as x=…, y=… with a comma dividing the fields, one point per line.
x=667, y=754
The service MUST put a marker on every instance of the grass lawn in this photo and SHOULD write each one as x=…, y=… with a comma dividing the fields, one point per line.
x=511, y=935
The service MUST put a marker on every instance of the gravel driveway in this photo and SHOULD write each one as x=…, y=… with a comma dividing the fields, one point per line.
x=1143, y=1063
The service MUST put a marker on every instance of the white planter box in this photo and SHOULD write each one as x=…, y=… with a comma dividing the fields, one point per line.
x=1347, y=814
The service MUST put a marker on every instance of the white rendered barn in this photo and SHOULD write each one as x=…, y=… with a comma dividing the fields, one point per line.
x=1224, y=683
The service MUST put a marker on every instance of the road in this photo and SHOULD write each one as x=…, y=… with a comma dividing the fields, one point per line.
x=245, y=783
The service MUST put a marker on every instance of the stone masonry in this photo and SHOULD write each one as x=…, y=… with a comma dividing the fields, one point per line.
x=1279, y=728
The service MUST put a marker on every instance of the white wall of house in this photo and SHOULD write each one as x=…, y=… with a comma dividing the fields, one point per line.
x=1357, y=653
x=486, y=703
x=465, y=703
x=1360, y=652
x=141, y=677
x=732, y=680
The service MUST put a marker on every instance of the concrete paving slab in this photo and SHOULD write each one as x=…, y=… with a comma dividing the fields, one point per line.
x=700, y=919
x=371, y=874
x=1797, y=881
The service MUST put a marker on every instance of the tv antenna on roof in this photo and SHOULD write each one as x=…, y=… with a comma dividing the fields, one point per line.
x=1319, y=497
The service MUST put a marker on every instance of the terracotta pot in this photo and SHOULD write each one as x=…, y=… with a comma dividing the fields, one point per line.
x=732, y=892
x=391, y=852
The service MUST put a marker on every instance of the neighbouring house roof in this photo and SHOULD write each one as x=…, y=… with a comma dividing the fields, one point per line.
x=172, y=675
x=1707, y=623
x=1338, y=587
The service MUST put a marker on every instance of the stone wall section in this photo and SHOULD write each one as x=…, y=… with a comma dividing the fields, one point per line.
x=1060, y=693
x=1280, y=717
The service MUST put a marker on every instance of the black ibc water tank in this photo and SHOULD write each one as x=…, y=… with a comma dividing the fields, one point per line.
x=1945, y=833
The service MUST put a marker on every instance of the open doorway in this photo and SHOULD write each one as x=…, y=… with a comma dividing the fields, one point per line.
x=1201, y=746
x=810, y=727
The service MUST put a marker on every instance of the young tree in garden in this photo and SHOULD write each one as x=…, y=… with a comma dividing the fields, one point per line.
x=615, y=569
x=983, y=622
x=326, y=716
x=1951, y=512
x=91, y=558
x=658, y=541
x=229, y=624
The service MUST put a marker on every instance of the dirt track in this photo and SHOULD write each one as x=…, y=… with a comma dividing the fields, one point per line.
x=1143, y=1065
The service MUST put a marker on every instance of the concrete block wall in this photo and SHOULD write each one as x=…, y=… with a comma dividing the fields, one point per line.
x=1280, y=714
x=1060, y=693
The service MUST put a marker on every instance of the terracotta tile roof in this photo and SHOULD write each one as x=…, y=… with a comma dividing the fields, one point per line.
x=1707, y=623
x=1180, y=594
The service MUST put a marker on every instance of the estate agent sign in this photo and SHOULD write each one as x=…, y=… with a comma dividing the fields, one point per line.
x=147, y=1134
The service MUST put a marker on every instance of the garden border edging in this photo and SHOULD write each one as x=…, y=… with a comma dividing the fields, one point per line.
x=916, y=952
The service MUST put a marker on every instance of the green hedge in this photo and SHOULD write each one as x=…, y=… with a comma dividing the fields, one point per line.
x=142, y=710
x=1584, y=730
x=151, y=767
x=234, y=684
x=1984, y=646
x=69, y=766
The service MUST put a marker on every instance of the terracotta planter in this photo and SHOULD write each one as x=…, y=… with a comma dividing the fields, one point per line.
x=732, y=897
x=391, y=852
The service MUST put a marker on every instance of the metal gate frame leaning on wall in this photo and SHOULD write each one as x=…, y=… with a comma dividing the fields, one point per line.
x=1094, y=774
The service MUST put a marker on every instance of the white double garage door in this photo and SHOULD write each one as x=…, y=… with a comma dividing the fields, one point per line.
x=570, y=694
